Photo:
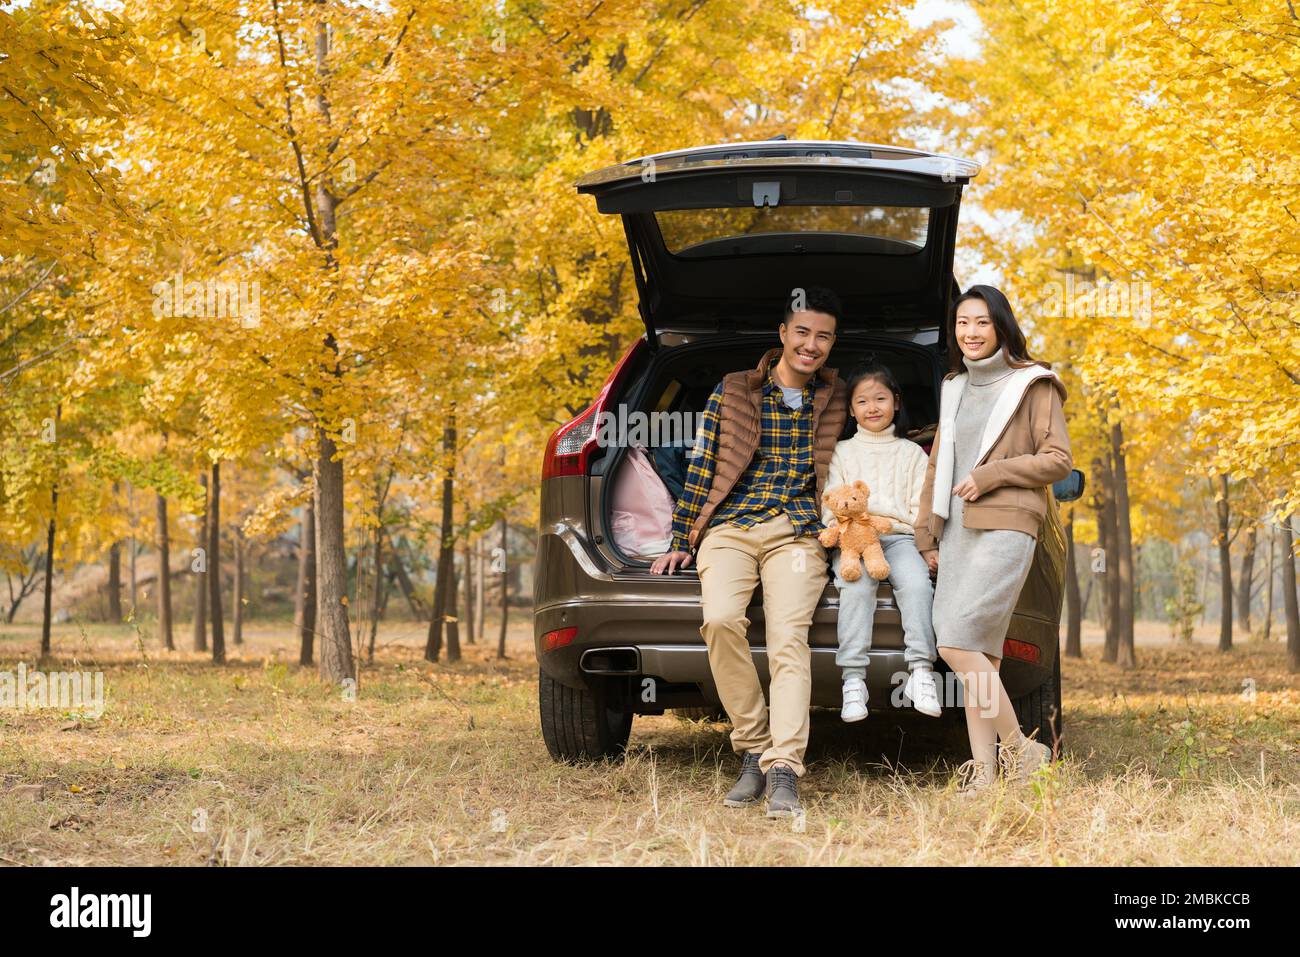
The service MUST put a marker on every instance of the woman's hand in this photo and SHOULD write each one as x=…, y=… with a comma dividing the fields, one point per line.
x=932, y=559
x=966, y=490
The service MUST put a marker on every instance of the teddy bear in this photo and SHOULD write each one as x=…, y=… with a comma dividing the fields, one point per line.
x=856, y=531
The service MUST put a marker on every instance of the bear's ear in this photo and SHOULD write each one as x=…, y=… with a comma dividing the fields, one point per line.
x=862, y=485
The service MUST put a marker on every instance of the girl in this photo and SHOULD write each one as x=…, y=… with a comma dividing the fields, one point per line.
x=1001, y=440
x=894, y=469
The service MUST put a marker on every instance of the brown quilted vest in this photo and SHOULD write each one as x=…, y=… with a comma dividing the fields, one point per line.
x=738, y=432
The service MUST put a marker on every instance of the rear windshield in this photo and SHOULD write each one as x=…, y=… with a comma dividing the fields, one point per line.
x=903, y=227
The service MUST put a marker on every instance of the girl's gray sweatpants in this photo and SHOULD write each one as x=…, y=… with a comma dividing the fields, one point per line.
x=913, y=593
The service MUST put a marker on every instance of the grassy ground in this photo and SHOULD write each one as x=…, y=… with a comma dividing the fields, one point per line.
x=1191, y=759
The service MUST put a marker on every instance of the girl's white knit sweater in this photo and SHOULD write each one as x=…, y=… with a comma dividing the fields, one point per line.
x=892, y=467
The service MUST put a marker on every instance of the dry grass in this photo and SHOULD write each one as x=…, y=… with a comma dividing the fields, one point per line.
x=1170, y=764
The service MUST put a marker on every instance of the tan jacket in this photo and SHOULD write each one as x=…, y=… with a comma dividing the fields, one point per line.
x=1014, y=475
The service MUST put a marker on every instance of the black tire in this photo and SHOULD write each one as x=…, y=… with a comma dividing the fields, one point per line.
x=1040, y=709
x=584, y=725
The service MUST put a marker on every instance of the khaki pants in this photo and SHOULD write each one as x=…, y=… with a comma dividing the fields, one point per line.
x=793, y=570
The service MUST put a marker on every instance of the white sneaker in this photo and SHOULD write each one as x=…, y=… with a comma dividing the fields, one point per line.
x=855, y=700
x=924, y=695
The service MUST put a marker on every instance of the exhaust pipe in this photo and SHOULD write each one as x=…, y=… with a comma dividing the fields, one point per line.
x=611, y=661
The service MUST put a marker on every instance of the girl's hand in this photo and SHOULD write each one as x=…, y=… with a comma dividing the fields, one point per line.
x=932, y=559
x=966, y=490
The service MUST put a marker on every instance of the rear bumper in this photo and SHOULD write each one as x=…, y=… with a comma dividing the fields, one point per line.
x=659, y=616
x=665, y=646
x=665, y=669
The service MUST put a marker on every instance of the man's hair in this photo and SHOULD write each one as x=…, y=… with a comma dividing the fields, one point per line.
x=814, y=299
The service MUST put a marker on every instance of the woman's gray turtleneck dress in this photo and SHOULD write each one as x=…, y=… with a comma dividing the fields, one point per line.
x=981, y=571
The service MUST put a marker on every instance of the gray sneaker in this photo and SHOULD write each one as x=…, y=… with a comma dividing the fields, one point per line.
x=749, y=786
x=782, y=792
x=1019, y=761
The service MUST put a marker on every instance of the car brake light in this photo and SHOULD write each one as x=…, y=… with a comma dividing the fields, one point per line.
x=567, y=449
x=570, y=446
x=1022, y=650
x=558, y=638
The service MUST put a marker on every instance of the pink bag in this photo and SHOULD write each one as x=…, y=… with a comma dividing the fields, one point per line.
x=642, y=516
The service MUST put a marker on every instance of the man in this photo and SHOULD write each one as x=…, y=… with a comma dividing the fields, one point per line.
x=751, y=512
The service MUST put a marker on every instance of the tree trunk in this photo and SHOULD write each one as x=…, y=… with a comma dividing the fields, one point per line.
x=135, y=553
x=1106, y=534
x=47, y=615
x=214, y=568
x=505, y=592
x=453, y=611
x=1268, y=588
x=467, y=564
x=28, y=575
x=1289, y=597
x=1225, y=565
x=304, y=614
x=404, y=583
x=336, y=664
x=1127, y=657
x=237, y=604
x=164, y=578
x=376, y=605
x=1073, y=605
x=115, y=582
x=1246, y=579
x=480, y=561
x=134, y=546
x=444, y=583
x=433, y=642
x=1203, y=597
x=200, y=577
x=336, y=661
x=387, y=591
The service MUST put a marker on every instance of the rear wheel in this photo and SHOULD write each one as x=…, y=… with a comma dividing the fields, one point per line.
x=1040, y=709
x=584, y=724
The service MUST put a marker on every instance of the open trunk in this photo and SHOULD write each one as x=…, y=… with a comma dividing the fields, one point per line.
x=678, y=381
x=718, y=235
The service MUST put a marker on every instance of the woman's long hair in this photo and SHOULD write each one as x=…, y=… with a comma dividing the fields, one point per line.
x=1010, y=338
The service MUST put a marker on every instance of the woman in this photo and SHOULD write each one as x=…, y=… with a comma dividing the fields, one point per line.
x=1002, y=440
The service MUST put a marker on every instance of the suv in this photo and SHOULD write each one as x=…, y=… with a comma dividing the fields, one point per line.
x=718, y=237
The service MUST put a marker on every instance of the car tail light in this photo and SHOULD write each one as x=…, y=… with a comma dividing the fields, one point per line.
x=570, y=446
x=1021, y=650
x=558, y=638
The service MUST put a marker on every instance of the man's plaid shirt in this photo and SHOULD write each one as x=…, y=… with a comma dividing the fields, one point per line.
x=780, y=478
